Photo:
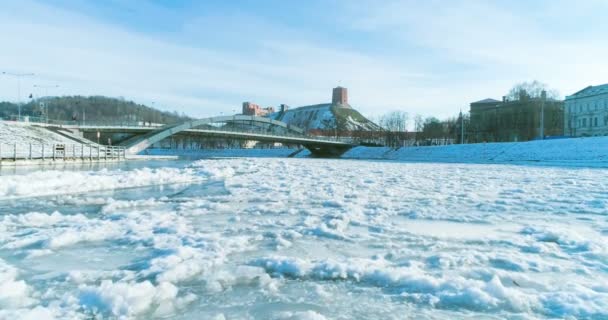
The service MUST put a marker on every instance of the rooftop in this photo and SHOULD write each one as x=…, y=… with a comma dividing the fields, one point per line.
x=590, y=91
x=484, y=101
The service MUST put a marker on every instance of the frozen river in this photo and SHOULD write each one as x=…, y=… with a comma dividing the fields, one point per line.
x=304, y=239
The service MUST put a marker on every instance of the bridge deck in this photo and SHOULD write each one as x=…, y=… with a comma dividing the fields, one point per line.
x=146, y=136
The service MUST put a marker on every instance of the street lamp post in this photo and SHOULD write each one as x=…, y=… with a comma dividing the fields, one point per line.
x=18, y=76
x=84, y=116
x=543, y=98
x=46, y=92
x=461, y=128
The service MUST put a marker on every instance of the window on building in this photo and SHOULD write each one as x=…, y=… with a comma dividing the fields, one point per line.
x=595, y=122
x=584, y=122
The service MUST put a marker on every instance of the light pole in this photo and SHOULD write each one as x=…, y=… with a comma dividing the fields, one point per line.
x=461, y=128
x=46, y=93
x=18, y=76
x=543, y=97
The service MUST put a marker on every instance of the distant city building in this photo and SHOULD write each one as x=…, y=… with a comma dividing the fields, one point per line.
x=586, y=112
x=517, y=120
x=340, y=97
x=483, y=120
x=252, y=109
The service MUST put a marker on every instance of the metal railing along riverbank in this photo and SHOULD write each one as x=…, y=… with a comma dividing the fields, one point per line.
x=59, y=152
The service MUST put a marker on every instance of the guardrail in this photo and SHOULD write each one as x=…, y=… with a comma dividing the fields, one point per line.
x=60, y=152
x=266, y=131
x=101, y=123
x=233, y=129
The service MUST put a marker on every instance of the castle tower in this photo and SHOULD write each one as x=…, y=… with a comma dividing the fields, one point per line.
x=250, y=109
x=340, y=97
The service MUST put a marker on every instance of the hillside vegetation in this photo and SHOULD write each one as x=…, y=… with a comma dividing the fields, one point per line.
x=95, y=108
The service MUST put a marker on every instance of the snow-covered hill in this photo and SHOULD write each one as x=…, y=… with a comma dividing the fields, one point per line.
x=325, y=117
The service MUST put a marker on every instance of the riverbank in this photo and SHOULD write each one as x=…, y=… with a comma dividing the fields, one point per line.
x=19, y=141
x=575, y=152
x=224, y=153
x=591, y=151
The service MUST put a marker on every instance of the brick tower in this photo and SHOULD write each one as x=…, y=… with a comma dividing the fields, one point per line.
x=339, y=97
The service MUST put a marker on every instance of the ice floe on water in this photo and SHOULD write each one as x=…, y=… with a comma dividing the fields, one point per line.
x=44, y=183
x=305, y=239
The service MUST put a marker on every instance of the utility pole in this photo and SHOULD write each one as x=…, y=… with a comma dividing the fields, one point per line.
x=18, y=76
x=461, y=128
x=543, y=97
x=46, y=93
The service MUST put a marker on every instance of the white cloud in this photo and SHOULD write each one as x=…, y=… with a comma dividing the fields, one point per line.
x=509, y=40
x=89, y=57
x=429, y=57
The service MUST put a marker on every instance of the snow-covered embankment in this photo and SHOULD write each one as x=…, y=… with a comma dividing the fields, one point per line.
x=580, y=151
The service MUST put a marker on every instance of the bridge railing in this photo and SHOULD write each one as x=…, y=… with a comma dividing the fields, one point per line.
x=60, y=152
x=143, y=124
x=282, y=132
x=267, y=131
x=91, y=123
x=40, y=120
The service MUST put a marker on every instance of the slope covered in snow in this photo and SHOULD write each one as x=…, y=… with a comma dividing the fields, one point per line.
x=20, y=133
x=575, y=151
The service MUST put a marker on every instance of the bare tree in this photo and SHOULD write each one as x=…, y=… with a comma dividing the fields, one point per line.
x=418, y=123
x=532, y=89
x=395, y=121
x=395, y=128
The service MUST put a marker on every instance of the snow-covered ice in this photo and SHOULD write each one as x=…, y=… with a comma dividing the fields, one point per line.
x=271, y=238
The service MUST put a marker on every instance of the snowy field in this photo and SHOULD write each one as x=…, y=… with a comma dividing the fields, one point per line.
x=304, y=239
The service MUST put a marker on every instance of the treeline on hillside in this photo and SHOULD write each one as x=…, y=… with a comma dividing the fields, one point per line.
x=95, y=108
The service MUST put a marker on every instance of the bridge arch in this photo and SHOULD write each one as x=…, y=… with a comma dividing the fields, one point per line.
x=142, y=142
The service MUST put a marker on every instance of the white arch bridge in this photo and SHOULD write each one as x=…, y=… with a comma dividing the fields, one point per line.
x=239, y=127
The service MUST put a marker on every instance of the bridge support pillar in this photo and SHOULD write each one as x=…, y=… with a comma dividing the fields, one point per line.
x=324, y=151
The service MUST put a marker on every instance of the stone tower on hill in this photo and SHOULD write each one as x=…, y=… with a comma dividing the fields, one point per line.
x=340, y=97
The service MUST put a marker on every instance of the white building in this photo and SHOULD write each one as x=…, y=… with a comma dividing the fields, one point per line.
x=586, y=112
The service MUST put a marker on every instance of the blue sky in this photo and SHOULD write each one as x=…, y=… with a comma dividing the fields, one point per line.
x=206, y=57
